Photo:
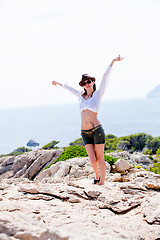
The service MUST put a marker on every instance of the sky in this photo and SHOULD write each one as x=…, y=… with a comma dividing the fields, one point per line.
x=46, y=40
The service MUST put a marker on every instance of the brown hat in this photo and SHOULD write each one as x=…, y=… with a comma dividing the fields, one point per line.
x=86, y=77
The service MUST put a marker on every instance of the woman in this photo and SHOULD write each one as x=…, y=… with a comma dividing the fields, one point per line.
x=91, y=130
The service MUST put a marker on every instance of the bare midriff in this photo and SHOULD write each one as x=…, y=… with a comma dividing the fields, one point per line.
x=89, y=119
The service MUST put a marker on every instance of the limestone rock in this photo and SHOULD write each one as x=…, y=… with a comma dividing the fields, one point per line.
x=52, y=236
x=24, y=160
x=115, y=178
x=39, y=197
x=63, y=171
x=62, y=203
x=136, y=158
x=120, y=154
x=74, y=200
x=72, y=168
x=3, y=236
x=140, y=159
x=79, y=193
x=4, y=169
x=6, y=164
x=125, y=178
x=43, y=236
x=30, y=164
x=151, y=210
x=134, y=185
x=28, y=189
x=39, y=210
x=37, y=165
x=49, y=171
x=153, y=184
x=122, y=165
x=7, y=161
x=93, y=193
x=121, y=207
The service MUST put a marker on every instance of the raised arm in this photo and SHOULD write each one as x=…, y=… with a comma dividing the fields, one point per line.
x=72, y=90
x=105, y=79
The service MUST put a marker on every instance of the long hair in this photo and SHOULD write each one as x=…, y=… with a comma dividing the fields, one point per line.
x=85, y=91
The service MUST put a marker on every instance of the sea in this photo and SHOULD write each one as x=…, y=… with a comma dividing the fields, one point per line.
x=62, y=122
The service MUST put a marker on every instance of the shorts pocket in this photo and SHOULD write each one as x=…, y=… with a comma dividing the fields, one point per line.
x=99, y=137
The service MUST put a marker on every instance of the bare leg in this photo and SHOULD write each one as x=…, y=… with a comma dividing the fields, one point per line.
x=92, y=155
x=99, y=150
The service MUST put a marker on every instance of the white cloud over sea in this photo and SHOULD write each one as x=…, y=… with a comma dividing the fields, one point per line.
x=44, y=40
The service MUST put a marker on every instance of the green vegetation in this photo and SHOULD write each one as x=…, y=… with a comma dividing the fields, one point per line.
x=150, y=157
x=21, y=150
x=140, y=142
x=78, y=151
x=148, y=152
x=111, y=142
x=156, y=163
x=50, y=145
x=72, y=152
x=77, y=142
x=132, y=143
x=18, y=151
x=110, y=160
x=154, y=144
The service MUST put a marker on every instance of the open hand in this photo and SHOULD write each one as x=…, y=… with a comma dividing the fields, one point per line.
x=54, y=83
x=118, y=58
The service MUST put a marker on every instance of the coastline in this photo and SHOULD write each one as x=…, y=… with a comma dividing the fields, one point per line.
x=47, y=123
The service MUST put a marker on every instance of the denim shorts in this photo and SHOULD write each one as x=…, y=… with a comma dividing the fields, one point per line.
x=94, y=135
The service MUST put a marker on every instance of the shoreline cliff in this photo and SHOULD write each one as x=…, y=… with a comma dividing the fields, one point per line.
x=154, y=93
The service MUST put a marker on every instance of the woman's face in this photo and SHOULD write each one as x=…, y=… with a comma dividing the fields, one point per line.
x=88, y=84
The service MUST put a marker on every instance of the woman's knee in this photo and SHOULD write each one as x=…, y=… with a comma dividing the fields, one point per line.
x=99, y=151
x=93, y=159
x=100, y=156
x=100, y=159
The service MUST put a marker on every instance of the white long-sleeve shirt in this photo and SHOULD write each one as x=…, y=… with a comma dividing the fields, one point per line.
x=92, y=103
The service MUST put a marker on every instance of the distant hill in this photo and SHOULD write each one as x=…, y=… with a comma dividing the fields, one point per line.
x=154, y=93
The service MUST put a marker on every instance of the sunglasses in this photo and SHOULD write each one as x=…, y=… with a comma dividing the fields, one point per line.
x=88, y=81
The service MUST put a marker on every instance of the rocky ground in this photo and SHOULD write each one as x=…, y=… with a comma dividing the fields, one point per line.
x=62, y=203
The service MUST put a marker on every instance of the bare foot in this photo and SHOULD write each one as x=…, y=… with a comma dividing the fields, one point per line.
x=101, y=183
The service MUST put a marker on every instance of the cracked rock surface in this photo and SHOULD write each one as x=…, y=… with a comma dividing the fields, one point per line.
x=63, y=204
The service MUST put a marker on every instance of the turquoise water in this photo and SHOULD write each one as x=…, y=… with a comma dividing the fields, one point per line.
x=62, y=122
